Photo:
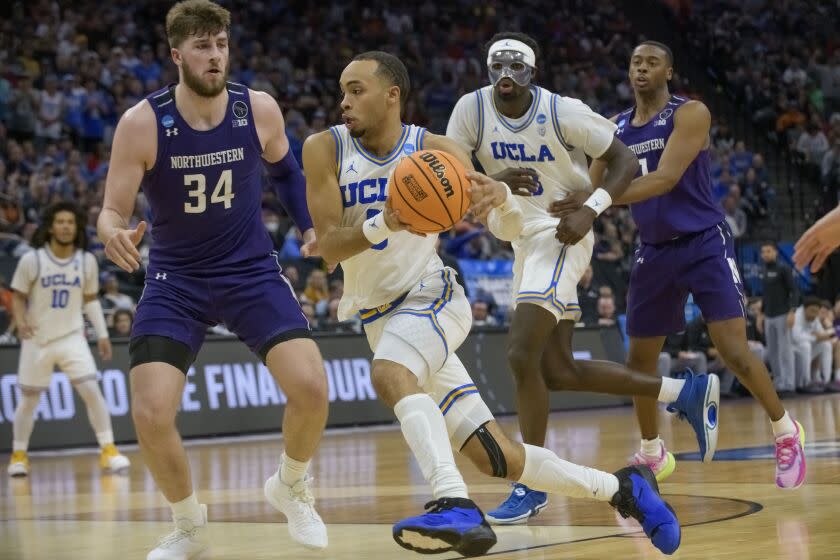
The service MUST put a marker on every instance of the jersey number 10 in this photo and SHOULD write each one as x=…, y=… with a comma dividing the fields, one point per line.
x=223, y=193
x=60, y=298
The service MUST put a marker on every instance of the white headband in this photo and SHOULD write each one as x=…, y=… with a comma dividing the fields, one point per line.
x=529, y=57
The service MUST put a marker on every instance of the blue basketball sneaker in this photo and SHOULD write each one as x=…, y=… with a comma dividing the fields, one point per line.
x=449, y=524
x=698, y=403
x=638, y=497
x=522, y=504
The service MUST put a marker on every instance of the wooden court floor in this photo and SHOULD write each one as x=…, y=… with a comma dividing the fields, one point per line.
x=364, y=482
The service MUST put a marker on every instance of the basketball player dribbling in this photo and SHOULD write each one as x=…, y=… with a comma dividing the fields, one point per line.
x=512, y=123
x=52, y=286
x=686, y=247
x=416, y=316
x=198, y=149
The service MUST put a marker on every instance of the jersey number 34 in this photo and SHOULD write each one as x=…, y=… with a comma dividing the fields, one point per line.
x=222, y=194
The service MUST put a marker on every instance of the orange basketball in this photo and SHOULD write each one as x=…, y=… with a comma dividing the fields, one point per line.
x=429, y=188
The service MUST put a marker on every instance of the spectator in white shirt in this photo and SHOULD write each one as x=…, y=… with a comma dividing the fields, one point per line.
x=812, y=347
x=812, y=144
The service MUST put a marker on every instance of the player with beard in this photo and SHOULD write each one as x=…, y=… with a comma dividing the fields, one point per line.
x=199, y=149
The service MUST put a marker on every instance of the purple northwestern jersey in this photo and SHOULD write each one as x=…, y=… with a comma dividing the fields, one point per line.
x=690, y=206
x=205, y=189
x=212, y=261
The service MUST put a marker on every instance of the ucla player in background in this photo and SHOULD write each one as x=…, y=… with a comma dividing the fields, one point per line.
x=686, y=247
x=199, y=149
x=416, y=316
x=530, y=137
x=53, y=285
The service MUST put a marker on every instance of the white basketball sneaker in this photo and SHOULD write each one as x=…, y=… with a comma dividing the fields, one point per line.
x=186, y=542
x=298, y=505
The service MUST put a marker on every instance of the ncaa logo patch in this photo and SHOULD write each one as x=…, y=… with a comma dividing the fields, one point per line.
x=167, y=121
x=240, y=110
x=666, y=113
x=541, y=119
x=409, y=149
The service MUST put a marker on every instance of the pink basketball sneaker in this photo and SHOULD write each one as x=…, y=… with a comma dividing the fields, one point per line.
x=662, y=466
x=790, y=459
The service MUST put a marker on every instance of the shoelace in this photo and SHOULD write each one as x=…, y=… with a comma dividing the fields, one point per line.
x=175, y=536
x=514, y=498
x=640, y=459
x=688, y=376
x=302, y=493
x=626, y=505
x=786, y=452
x=624, y=509
x=437, y=506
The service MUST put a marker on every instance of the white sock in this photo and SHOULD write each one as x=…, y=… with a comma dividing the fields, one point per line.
x=188, y=508
x=292, y=471
x=546, y=472
x=97, y=411
x=651, y=447
x=783, y=425
x=105, y=438
x=670, y=389
x=425, y=432
x=24, y=420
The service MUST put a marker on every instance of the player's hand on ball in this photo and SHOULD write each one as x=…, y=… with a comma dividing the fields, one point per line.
x=392, y=220
x=575, y=226
x=122, y=247
x=105, y=350
x=572, y=202
x=485, y=193
x=521, y=180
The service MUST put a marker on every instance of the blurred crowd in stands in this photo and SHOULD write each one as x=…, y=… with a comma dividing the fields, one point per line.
x=68, y=70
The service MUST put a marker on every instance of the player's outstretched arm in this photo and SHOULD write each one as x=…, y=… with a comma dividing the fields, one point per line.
x=818, y=242
x=692, y=122
x=284, y=172
x=132, y=153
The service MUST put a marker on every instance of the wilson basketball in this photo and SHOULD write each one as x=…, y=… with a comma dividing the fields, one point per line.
x=429, y=188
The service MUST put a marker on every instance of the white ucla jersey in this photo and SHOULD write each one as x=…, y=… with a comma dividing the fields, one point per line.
x=553, y=137
x=389, y=269
x=55, y=290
